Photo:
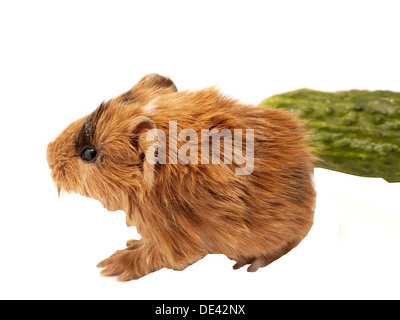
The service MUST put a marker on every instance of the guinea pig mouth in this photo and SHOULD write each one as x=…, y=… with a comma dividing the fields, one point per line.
x=59, y=186
x=59, y=190
x=50, y=155
x=63, y=179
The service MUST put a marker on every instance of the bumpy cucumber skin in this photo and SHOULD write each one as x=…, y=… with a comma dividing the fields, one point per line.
x=356, y=132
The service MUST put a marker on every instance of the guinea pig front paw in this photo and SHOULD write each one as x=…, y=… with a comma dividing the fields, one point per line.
x=131, y=243
x=131, y=263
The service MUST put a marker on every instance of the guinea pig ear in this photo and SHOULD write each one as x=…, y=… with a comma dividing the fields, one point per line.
x=155, y=82
x=139, y=128
x=148, y=88
x=140, y=124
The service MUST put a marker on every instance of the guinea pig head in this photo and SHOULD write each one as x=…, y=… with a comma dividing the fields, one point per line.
x=102, y=155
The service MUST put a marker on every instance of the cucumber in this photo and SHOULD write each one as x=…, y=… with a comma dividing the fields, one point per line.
x=355, y=132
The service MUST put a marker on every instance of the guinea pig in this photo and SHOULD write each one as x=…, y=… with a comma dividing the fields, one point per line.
x=157, y=154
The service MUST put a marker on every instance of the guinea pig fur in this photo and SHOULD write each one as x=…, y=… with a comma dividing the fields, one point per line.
x=185, y=211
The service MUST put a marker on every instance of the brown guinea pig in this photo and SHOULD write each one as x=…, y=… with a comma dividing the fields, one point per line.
x=156, y=154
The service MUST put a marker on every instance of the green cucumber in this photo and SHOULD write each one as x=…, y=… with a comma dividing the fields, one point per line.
x=355, y=132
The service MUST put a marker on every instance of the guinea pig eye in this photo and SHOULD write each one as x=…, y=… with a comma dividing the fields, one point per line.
x=89, y=154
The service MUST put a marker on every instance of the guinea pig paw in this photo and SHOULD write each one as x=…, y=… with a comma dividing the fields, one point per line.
x=113, y=265
x=242, y=261
x=255, y=263
x=132, y=243
x=126, y=263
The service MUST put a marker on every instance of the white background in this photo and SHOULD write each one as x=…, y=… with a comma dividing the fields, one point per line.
x=61, y=59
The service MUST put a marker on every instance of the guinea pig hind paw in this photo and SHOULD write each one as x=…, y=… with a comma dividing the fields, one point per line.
x=255, y=263
x=242, y=261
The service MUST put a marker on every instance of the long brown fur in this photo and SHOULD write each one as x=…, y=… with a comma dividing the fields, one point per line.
x=184, y=212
